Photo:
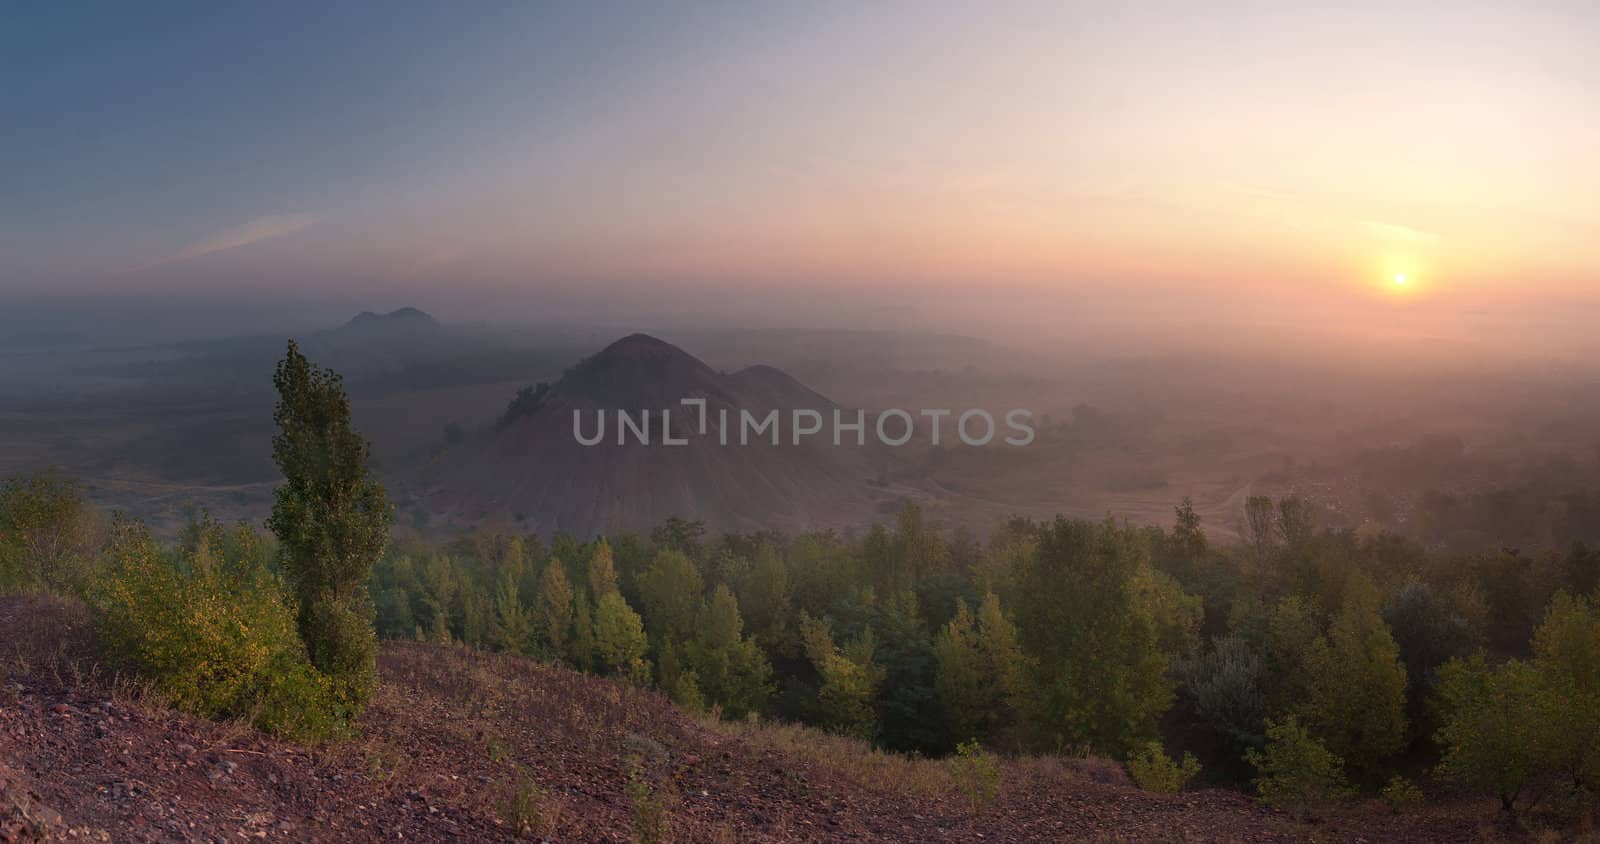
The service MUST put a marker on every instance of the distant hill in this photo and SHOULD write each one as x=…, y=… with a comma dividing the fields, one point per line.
x=532, y=465
x=406, y=319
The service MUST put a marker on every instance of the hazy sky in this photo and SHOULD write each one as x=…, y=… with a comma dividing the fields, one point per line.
x=471, y=156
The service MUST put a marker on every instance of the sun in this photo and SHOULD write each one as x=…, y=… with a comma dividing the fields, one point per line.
x=1399, y=279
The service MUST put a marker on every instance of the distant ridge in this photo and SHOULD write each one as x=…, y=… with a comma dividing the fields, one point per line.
x=531, y=466
x=408, y=316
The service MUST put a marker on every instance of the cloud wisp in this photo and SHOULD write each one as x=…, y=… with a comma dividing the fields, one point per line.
x=255, y=231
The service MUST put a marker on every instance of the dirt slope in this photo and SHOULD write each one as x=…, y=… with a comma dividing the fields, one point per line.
x=454, y=735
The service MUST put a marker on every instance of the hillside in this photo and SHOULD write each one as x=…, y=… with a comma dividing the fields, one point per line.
x=454, y=734
x=532, y=466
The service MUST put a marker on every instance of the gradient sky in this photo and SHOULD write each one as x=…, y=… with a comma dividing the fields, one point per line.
x=466, y=156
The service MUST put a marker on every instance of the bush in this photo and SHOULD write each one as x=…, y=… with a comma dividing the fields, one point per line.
x=1296, y=772
x=1401, y=794
x=649, y=809
x=530, y=809
x=1154, y=770
x=977, y=774
x=45, y=536
x=212, y=629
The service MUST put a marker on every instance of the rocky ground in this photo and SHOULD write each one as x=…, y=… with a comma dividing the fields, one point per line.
x=466, y=746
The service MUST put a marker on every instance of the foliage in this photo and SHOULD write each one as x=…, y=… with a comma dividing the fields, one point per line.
x=730, y=669
x=1223, y=687
x=46, y=535
x=981, y=672
x=332, y=521
x=525, y=403
x=1400, y=794
x=850, y=679
x=1297, y=772
x=1356, y=701
x=213, y=630
x=555, y=607
x=977, y=774
x=1500, y=728
x=649, y=806
x=619, y=639
x=530, y=808
x=1099, y=675
x=1153, y=770
x=1516, y=727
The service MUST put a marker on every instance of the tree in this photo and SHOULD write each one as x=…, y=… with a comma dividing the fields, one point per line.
x=671, y=590
x=1223, y=688
x=332, y=522
x=1429, y=633
x=619, y=639
x=1188, y=537
x=1566, y=655
x=1296, y=771
x=1258, y=514
x=1358, y=690
x=1501, y=729
x=1296, y=521
x=1099, y=676
x=980, y=671
x=850, y=679
x=766, y=601
x=555, y=607
x=602, y=571
x=439, y=590
x=581, y=649
x=729, y=667
x=44, y=534
x=513, y=624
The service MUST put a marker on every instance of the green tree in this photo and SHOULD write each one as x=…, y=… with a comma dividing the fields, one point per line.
x=731, y=670
x=513, y=624
x=1099, y=675
x=981, y=671
x=1566, y=655
x=581, y=650
x=1501, y=729
x=602, y=570
x=850, y=679
x=619, y=639
x=1357, y=690
x=45, y=535
x=766, y=600
x=555, y=607
x=1223, y=687
x=671, y=590
x=439, y=593
x=332, y=522
x=1296, y=771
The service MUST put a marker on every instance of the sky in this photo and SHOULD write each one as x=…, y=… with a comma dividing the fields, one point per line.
x=991, y=162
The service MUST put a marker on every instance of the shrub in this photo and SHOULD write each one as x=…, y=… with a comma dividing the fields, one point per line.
x=45, y=535
x=1296, y=772
x=530, y=809
x=1401, y=794
x=649, y=809
x=1154, y=770
x=212, y=629
x=977, y=774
